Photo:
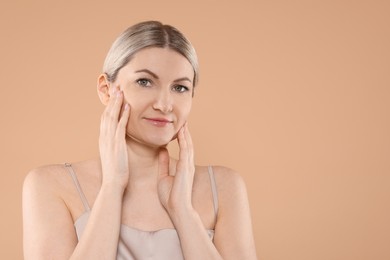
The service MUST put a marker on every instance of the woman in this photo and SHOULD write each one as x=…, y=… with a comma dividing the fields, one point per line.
x=135, y=202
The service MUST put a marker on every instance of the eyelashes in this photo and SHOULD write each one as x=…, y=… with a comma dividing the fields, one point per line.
x=144, y=82
x=180, y=88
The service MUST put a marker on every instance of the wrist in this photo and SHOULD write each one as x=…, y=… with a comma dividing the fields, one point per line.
x=113, y=188
x=178, y=215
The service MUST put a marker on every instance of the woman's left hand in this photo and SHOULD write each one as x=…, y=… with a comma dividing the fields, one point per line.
x=175, y=191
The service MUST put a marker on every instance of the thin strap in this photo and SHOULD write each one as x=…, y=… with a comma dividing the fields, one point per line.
x=214, y=190
x=78, y=187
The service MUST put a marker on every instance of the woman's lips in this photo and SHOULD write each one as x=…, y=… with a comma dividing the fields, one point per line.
x=160, y=122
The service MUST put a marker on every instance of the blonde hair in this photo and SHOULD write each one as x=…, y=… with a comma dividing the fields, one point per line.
x=143, y=35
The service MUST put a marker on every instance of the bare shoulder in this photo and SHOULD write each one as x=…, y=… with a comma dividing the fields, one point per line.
x=47, y=223
x=231, y=188
x=232, y=192
x=56, y=176
x=228, y=179
x=43, y=188
x=225, y=172
x=233, y=230
x=45, y=178
x=45, y=171
x=53, y=183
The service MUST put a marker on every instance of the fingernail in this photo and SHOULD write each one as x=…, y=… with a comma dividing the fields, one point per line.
x=126, y=106
x=118, y=94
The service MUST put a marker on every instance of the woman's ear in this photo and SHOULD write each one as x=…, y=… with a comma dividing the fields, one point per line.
x=103, y=89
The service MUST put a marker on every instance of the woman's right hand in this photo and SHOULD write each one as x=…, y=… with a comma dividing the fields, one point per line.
x=112, y=141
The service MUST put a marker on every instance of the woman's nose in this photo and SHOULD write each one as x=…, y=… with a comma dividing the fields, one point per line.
x=163, y=101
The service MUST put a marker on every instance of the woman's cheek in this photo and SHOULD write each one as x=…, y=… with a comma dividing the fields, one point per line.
x=186, y=112
x=130, y=128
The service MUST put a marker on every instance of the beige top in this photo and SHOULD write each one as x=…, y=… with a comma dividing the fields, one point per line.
x=136, y=244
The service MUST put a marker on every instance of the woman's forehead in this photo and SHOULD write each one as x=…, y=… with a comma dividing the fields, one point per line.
x=162, y=62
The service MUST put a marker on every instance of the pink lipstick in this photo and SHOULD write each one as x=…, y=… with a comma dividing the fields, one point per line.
x=159, y=122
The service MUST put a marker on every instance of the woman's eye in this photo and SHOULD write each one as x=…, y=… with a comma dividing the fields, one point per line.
x=143, y=82
x=180, y=88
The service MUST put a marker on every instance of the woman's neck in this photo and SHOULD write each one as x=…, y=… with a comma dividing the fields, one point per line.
x=143, y=163
x=143, y=158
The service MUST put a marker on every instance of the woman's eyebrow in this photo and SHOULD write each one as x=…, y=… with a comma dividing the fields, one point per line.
x=183, y=78
x=156, y=77
x=147, y=71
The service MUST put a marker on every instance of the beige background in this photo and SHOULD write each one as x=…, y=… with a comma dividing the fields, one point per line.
x=295, y=95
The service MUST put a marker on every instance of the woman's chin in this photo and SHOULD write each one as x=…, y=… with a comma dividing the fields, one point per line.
x=155, y=142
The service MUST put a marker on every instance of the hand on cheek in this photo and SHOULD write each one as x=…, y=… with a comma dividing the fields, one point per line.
x=176, y=136
x=175, y=191
x=112, y=145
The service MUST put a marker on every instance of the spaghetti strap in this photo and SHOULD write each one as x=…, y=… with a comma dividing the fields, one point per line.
x=214, y=190
x=78, y=187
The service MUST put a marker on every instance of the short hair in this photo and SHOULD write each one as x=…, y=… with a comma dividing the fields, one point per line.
x=143, y=35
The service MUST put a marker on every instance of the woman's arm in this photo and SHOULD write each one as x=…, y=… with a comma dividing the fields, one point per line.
x=194, y=240
x=233, y=237
x=48, y=226
x=101, y=234
x=48, y=230
x=233, y=231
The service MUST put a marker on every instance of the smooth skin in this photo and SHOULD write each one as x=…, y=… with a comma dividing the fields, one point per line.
x=135, y=182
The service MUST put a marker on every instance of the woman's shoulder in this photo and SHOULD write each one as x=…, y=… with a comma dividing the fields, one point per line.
x=227, y=179
x=45, y=175
x=53, y=176
x=43, y=187
x=223, y=175
x=230, y=185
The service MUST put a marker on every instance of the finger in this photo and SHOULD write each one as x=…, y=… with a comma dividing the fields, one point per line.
x=163, y=163
x=183, y=148
x=106, y=115
x=115, y=110
x=112, y=99
x=112, y=115
x=113, y=89
x=123, y=121
x=190, y=147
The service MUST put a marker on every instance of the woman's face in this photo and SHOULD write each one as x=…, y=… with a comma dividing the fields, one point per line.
x=157, y=84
